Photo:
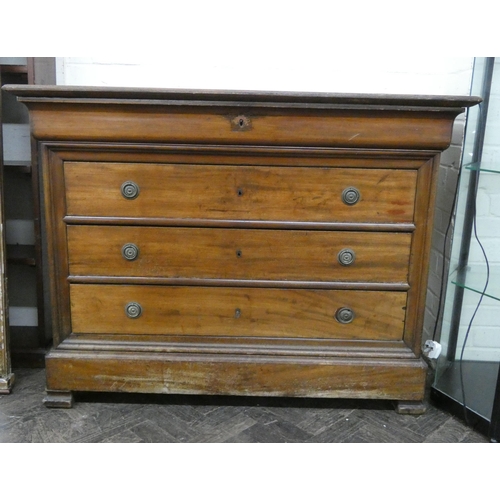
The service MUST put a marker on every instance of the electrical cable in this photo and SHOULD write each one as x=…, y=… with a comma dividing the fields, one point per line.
x=482, y=294
x=446, y=235
x=450, y=221
x=443, y=272
x=478, y=146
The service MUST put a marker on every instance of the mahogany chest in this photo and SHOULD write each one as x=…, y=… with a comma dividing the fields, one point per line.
x=237, y=243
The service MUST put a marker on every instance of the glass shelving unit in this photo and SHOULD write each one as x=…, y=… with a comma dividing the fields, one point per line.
x=467, y=372
x=477, y=276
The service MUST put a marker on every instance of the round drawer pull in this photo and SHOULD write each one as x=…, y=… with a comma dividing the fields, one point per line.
x=133, y=310
x=346, y=257
x=350, y=196
x=130, y=190
x=130, y=251
x=344, y=315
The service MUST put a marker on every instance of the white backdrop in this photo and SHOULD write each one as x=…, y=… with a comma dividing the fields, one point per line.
x=265, y=71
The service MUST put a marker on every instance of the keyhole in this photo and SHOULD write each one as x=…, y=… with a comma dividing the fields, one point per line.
x=240, y=192
x=238, y=253
x=240, y=123
x=237, y=313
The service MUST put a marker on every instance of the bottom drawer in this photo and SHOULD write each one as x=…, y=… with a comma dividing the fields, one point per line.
x=237, y=312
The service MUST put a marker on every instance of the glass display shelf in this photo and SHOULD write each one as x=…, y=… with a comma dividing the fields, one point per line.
x=475, y=275
x=474, y=278
x=484, y=166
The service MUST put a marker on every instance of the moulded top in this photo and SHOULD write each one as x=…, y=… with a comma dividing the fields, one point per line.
x=30, y=93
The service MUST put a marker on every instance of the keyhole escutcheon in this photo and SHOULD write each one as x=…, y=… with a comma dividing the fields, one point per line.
x=241, y=123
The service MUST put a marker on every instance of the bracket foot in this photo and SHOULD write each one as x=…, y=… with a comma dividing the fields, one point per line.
x=58, y=399
x=411, y=407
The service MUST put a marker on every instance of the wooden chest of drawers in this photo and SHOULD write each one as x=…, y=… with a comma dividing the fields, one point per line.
x=271, y=244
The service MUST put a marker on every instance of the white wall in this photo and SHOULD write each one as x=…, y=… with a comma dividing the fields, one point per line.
x=319, y=71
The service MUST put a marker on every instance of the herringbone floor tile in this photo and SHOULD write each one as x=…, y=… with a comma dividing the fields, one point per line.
x=125, y=418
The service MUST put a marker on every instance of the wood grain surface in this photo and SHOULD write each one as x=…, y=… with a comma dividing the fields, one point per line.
x=240, y=192
x=238, y=254
x=237, y=312
x=389, y=127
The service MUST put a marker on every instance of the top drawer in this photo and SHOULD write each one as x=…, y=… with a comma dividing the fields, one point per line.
x=253, y=193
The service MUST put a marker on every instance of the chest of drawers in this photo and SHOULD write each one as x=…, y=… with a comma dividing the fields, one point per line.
x=271, y=244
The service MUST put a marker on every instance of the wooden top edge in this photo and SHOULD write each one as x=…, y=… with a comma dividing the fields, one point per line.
x=32, y=93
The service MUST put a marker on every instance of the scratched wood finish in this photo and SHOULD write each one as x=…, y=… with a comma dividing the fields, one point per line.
x=171, y=252
x=241, y=312
x=239, y=204
x=296, y=376
x=239, y=192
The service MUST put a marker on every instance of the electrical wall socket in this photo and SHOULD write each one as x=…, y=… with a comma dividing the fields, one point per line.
x=432, y=349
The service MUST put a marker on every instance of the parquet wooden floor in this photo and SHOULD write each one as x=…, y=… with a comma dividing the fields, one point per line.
x=124, y=418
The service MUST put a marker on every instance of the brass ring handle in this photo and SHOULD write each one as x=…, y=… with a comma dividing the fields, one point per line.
x=130, y=190
x=346, y=257
x=133, y=310
x=351, y=195
x=344, y=315
x=130, y=251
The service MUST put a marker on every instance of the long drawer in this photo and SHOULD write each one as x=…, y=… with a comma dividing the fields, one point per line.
x=240, y=254
x=240, y=312
x=240, y=192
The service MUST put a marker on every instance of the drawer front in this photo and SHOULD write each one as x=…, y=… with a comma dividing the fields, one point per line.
x=238, y=254
x=240, y=193
x=238, y=312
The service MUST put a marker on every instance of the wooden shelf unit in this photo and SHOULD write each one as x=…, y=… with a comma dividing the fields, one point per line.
x=28, y=342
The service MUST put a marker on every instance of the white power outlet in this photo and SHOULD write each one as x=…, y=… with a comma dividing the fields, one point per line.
x=432, y=349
